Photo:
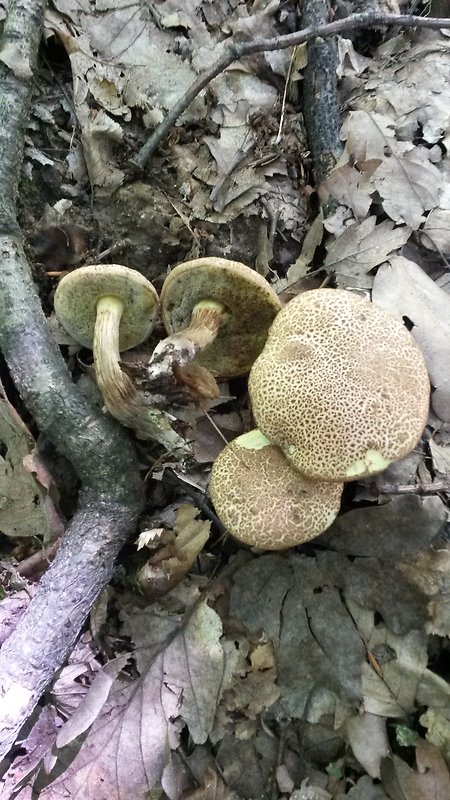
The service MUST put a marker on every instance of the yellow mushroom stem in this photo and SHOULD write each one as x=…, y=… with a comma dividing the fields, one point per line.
x=206, y=318
x=178, y=350
x=116, y=387
x=122, y=399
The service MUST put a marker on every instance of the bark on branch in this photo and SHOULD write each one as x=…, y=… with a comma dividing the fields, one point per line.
x=101, y=452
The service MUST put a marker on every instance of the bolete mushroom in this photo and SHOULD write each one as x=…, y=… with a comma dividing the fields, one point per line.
x=110, y=308
x=341, y=386
x=263, y=501
x=217, y=310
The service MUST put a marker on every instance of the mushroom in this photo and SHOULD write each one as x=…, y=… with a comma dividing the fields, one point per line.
x=341, y=386
x=217, y=310
x=110, y=308
x=263, y=501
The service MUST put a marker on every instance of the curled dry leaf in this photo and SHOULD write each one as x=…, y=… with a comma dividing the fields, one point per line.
x=429, y=781
x=170, y=564
x=26, y=508
x=363, y=246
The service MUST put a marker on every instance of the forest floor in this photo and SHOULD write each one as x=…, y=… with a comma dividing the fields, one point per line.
x=206, y=668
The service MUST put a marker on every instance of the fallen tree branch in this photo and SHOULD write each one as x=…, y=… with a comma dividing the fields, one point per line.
x=101, y=452
x=235, y=51
x=321, y=112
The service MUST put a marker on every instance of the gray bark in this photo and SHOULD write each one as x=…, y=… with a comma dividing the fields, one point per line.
x=321, y=104
x=101, y=452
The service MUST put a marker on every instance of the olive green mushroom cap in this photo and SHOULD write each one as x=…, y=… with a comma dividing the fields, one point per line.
x=249, y=300
x=341, y=386
x=78, y=293
x=263, y=501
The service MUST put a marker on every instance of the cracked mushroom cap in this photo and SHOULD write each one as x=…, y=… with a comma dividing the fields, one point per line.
x=78, y=293
x=250, y=304
x=263, y=501
x=341, y=386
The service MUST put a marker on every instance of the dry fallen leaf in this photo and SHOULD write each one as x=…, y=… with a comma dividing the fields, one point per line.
x=365, y=789
x=408, y=185
x=26, y=508
x=413, y=84
x=403, y=289
x=429, y=781
x=435, y=233
x=352, y=187
x=363, y=246
x=404, y=524
x=368, y=739
x=171, y=563
x=10, y=54
x=440, y=454
x=34, y=746
x=438, y=731
x=134, y=724
x=390, y=689
x=211, y=787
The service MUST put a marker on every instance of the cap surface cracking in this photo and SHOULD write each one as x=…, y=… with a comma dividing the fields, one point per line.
x=341, y=386
x=263, y=501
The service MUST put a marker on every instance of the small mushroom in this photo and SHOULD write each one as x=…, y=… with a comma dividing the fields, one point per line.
x=263, y=501
x=217, y=310
x=341, y=386
x=110, y=308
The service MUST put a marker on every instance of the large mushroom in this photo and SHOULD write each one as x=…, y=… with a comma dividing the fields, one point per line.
x=111, y=308
x=341, y=386
x=263, y=501
x=217, y=312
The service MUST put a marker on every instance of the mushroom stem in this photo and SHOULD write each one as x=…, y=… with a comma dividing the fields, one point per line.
x=115, y=386
x=122, y=399
x=179, y=349
x=206, y=318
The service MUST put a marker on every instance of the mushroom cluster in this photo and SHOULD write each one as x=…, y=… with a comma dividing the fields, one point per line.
x=217, y=310
x=339, y=392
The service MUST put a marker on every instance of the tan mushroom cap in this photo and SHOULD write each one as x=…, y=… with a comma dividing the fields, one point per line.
x=341, y=386
x=263, y=501
x=78, y=293
x=250, y=302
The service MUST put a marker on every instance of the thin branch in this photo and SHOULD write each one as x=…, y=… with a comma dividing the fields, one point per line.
x=438, y=486
x=235, y=51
